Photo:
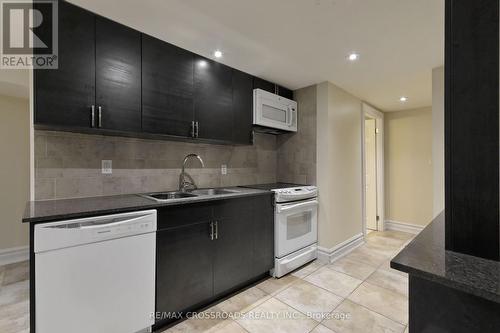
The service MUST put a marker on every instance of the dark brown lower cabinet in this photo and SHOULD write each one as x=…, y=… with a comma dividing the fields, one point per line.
x=264, y=235
x=234, y=244
x=206, y=251
x=184, y=270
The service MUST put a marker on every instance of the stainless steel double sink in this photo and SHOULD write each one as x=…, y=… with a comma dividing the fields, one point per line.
x=166, y=196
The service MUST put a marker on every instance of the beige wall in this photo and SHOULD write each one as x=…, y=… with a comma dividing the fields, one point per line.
x=297, y=151
x=408, y=166
x=438, y=140
x=14, y=170
x=339, y=164
x=68, y=165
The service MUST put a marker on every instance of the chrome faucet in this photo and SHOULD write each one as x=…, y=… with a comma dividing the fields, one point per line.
x=186, y=182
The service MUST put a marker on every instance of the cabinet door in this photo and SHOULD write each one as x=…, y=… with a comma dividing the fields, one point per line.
x=118, y=75
x=184, y=276
x=167, y=88
x=263, y=234
x=259, y=83
x=64, y=96
x=233, y=244
x=285, y=92
x=213, y=99
x=242, y=107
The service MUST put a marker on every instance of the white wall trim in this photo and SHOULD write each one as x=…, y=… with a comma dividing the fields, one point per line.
x=330, y=255
x=14, y=254
x=371, y=112
x=403, y=226
x=32, y=136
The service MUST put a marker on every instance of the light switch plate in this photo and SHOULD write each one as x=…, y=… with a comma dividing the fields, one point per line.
x=223, y=169
x=107, y=167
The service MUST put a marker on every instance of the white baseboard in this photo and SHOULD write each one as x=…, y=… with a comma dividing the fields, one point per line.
x=14, y=254
x=404, y=227
x=330, y=255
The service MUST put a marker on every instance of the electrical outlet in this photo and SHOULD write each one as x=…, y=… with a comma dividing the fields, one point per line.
x=107, y=167
x=223, y=169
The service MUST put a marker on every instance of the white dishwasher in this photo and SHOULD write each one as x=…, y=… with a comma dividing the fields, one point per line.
x=96, y=274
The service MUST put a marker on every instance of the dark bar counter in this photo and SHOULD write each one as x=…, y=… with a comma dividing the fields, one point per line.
x=449, y=291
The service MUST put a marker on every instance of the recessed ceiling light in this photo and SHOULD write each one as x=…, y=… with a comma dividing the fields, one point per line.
x=218, y=54
x=353, y=56
x=202, y=63
x=403, y=99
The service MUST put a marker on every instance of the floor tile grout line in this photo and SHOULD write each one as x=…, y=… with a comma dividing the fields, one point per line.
x=372, y=309
x=355, y=277
x=394, y=291
x=356, y=261
x=347, y=298
x=319, y=322
x=379, y=287
x=332, y=291
x=367, y=308
x=244, y=329
x=391, y=291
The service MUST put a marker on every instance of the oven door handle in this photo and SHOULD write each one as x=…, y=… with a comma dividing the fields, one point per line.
x=283, y=208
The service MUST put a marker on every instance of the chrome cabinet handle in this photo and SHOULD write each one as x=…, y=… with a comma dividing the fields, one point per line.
x=197, y=129
x=100, y=117
x=211, y=231
x=193, y=129
x=92, y=116
x=216, y=230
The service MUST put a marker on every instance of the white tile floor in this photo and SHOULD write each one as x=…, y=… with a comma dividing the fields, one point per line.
x=357, y=293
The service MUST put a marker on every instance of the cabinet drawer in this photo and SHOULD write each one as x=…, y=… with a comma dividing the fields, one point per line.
x=234, y=208
x=183, y=215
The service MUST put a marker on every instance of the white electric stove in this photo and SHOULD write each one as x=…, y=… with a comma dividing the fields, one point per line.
x=295, y=225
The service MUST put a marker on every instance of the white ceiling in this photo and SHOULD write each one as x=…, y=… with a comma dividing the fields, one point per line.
x=297, y=43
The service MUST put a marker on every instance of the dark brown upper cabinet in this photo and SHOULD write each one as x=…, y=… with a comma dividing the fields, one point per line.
x=98, y=83
x=167, y=88
x=259, y=83
x=118, y=76
x=64, y=96
x=213, y=105
x=284, y=92
x=114, y=80
x=242, y=107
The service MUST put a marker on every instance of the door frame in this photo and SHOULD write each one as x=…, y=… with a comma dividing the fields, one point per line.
x=371, y=112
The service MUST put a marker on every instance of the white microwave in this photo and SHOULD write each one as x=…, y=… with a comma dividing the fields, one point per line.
x=274, y=111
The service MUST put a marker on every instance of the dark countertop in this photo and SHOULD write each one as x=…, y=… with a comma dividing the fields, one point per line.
x=427, y=258
x=52, y=210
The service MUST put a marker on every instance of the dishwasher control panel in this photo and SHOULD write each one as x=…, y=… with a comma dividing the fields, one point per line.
x=138, y=227
x=56, y=235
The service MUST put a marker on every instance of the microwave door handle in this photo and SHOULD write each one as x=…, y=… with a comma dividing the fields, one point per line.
x=299, y=205
x=290, y=116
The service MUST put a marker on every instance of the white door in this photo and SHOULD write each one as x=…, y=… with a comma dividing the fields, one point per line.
x=371, y=173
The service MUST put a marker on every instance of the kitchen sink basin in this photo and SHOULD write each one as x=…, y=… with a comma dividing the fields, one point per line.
x=165, y=196
x=212, y=191
x=169, y=196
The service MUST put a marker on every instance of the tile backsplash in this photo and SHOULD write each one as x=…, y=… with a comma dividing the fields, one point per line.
x=68, y=165
x=297, y=151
